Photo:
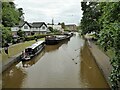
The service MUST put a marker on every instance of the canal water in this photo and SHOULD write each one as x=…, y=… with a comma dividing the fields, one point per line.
x=57, y=66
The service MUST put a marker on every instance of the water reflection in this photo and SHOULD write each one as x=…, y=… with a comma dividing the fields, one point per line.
x=13, y=73
x=90, y=74
x=50, y=48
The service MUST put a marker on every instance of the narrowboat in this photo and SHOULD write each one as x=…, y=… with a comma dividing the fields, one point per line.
x=55, y=39
x=51, y=40
x=32, y=50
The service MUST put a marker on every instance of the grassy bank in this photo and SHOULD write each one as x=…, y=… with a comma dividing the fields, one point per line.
x=16, y=49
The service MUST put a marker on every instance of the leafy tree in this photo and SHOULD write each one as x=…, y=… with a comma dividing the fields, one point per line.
x=10, y=14
x=91, y=14
x=21, y=14
x=51, y=29
x=59, y=23
x=6, y=35
x=63, y=25
x=110, y=37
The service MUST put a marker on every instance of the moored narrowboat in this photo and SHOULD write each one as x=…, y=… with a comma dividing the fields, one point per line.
x=32, y=50
x=55, y=39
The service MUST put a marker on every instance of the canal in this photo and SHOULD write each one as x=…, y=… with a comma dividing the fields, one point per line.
x=58, y=66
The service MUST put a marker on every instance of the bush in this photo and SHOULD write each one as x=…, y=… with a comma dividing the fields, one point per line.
x=28, y=38
x=6, y=35
x=20, y=33
x=40, y=36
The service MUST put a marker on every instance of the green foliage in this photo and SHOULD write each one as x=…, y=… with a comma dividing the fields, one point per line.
x=6, y=35
x=40, y=35
x=104, y=19
x=110, y=37
x=55, y=30
x=51, y=29
x=10, y=15
x=20, y=33
x=63, y=25
x=28, y=38
x=91, y=14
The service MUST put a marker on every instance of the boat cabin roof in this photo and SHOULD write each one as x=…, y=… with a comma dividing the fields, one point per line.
x=35, y=44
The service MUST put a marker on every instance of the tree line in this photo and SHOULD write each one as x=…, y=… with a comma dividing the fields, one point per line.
x=103, y=18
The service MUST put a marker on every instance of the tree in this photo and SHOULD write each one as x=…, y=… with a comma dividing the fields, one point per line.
x=63, y=25
x=59, y=23
x=110, y=37
x=91, y=14
x=10, y=14
x=51, y=29
x=6, y=35
x=21, y=14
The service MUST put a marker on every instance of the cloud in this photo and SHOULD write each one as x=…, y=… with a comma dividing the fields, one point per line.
x=68, y=11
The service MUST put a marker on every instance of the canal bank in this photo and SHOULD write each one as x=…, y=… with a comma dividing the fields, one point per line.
x=10, y=62
x=99, y=57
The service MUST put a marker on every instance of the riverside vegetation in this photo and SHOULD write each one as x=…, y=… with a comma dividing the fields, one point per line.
x=103, y=18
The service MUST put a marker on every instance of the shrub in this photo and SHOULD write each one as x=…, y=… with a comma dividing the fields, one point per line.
x=28, y=38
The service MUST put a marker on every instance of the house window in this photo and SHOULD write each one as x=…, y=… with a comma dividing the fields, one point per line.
x=25, y=27
x=43, y=27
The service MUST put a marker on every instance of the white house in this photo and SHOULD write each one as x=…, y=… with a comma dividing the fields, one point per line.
x=39, y=27
x=28, y=28
x=57, y=27
x=24, y=26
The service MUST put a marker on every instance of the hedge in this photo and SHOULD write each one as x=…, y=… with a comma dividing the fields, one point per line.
x=28, y=38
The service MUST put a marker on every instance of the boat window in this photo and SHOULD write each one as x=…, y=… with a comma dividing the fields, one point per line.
x=28, y=50
x=36, y=49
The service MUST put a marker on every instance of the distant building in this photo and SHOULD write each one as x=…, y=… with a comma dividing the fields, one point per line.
x=28, y=28
x=56, y=27
x=71, y=27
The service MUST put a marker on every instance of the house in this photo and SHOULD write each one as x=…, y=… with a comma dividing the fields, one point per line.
x=39, y=28
x=71, y=27
x=56, y=27
x=24, y=26
x=29, y=28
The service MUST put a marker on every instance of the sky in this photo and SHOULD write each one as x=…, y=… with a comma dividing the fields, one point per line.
x=67, y=11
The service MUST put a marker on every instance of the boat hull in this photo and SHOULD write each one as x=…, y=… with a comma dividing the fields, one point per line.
x=51, y=42
x=55, y=40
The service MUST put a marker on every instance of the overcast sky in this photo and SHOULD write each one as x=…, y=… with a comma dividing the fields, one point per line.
x=68, y=11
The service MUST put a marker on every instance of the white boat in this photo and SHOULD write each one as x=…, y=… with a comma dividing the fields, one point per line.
x=32, y=50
